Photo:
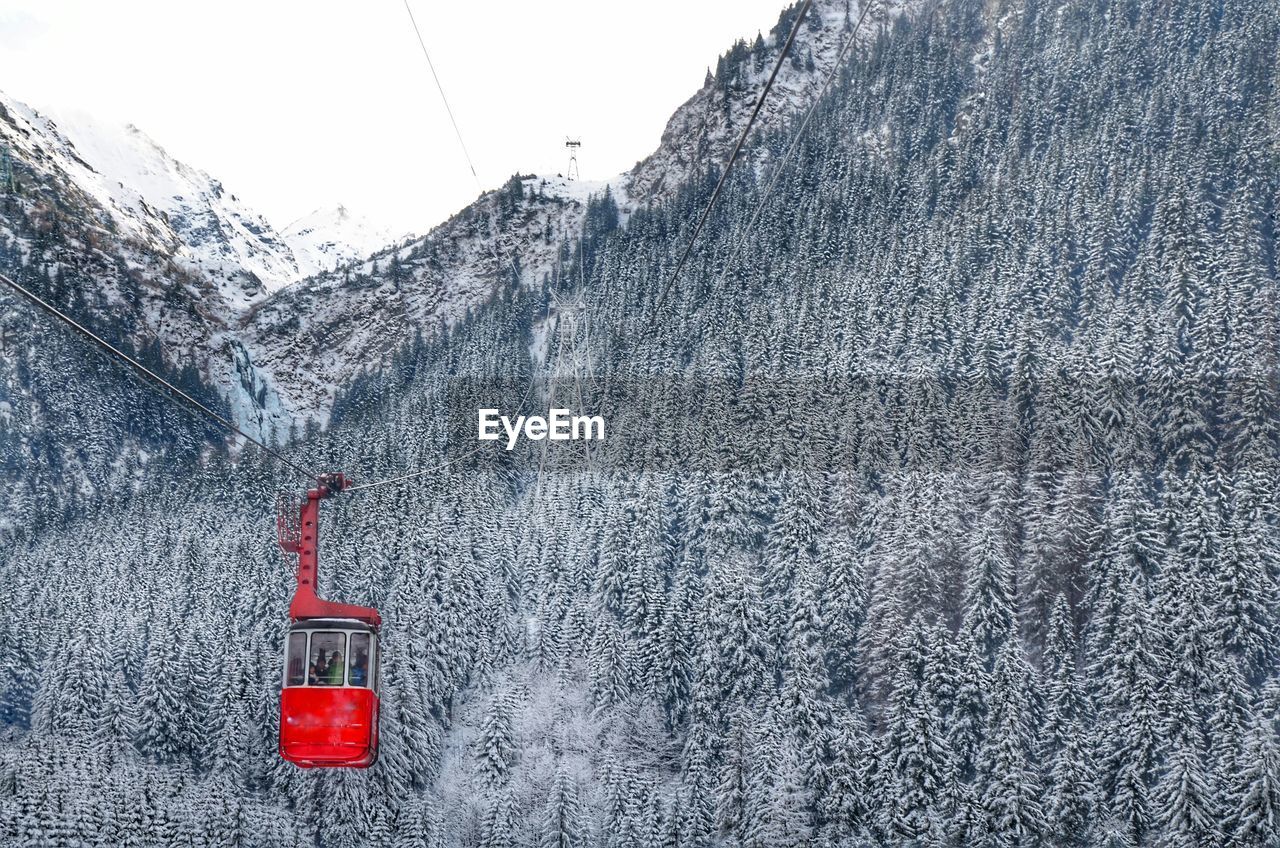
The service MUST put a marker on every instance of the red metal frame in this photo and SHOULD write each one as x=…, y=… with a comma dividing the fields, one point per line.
x=306, y=544
x=324, y=727
x=329, y=728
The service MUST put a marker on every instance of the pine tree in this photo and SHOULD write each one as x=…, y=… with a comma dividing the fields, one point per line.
x=967, y=720
x=693, y=820
x=847, y=807
x=675, y=647
x=118, y=725
x=495, y=745
x=563, y=825
x=1008, y=778
x=777, y=805
x=498, y=829
x=915, y=758
x=988, y=614
x=1257, y=817
x=1127, y=673
x=18, y=680
x=164, y=714
x=731, y=792
x=1071, y=799
x=1183, y=799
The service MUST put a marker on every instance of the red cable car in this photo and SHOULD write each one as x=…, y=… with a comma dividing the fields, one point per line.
x=329, y=694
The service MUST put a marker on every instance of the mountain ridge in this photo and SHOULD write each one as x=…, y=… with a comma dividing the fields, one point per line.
x=277, y=353
x=698, y=138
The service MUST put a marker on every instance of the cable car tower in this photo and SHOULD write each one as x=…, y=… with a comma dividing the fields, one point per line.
x=572, y=145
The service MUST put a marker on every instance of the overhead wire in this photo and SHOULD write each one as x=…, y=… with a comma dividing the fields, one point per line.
x=422, y=473
x=440, y=467
x=733, y=157
x=466, y=153
x=720, y=183
x=778, y=169
x=176, y=396
x=439, y=87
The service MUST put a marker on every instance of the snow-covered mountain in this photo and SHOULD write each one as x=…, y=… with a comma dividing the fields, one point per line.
x=170, y=257
x=327, y=238
x=280, y=320
x=216, y=235
x=702, y=131
x=182, y=210
x=196, y=245
x=312, y=338
x=315, y=336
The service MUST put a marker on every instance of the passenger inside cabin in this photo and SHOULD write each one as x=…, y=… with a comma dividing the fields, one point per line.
x=313, y=679
x=334, y=673
x=327, y=649
x=360, y=669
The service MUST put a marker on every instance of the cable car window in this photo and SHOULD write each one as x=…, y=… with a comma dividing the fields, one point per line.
x=358, y=674
x=327, y=663
x=297, y=662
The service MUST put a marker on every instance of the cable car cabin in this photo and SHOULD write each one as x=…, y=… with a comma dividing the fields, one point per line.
x=329, y=696
x=329, y=701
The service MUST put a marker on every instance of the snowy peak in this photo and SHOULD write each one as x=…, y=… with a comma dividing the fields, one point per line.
x=329, y=238
x=316, y=336
x=184, y=213
x=34, y=139
x=221, y=237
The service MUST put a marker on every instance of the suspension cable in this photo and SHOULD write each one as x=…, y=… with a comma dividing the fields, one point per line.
x=492, y=250
x=836, y=67
x=177, y=396
x=795, y=144
x=440, y=467
x=475, y=177
x=440, y=88
x=733, y=157
x=413, y=474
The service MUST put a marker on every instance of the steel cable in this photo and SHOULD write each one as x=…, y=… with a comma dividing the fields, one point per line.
x=176, y=395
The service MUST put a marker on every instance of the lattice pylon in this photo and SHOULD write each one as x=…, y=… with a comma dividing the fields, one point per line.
x=573, y=145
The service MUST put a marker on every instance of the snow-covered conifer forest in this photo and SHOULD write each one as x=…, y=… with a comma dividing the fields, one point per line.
x=944, y=515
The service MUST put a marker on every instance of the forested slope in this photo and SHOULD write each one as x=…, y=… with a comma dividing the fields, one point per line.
x=944, y=516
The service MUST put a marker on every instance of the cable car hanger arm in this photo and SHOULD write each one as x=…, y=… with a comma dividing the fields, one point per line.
x=304, y=540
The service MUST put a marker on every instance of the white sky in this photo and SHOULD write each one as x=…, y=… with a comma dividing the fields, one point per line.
x=299, y=104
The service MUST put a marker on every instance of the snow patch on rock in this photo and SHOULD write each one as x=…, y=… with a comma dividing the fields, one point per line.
x=328, y=238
